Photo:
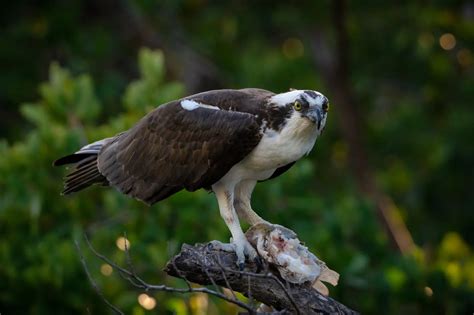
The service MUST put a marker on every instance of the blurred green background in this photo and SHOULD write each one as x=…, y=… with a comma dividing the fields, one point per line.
x=398, y=146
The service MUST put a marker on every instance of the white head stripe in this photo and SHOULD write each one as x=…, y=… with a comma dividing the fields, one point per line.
x=192, y=105
x=284, y=98
x=319, y=99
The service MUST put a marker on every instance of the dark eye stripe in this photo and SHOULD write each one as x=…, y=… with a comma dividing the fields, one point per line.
x=312, y=94
x=306, y=98
x=303, y=102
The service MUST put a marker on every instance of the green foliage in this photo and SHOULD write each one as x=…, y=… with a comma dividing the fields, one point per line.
x=151, y=89
x=38, y=225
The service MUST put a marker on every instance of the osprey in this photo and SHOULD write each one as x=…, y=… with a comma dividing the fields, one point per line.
x=222, y=140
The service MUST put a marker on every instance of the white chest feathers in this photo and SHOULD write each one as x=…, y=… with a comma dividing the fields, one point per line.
x=277, y=149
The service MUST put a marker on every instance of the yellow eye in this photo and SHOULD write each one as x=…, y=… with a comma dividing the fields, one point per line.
x=326, y=107
x=297, y=106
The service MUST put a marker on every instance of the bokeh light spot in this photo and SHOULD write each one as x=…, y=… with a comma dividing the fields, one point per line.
x=447, y=41
x=146, y=301
x=199, y=304
x=122, y=243
x=106, y=269
x=428, y=291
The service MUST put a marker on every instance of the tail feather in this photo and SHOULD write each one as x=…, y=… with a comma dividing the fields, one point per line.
x=71, y=187
x=85, y=172
x=82, y=168
x=72, y=158
x=79, y=175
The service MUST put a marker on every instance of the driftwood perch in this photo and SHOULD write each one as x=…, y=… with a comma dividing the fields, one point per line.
x=206, y=266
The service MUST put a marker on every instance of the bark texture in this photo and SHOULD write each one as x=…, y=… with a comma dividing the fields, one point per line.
x=206, y=266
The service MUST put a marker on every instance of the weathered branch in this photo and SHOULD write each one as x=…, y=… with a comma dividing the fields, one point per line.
x=204, y=265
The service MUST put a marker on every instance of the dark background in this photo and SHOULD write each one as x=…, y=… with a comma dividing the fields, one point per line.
x=385, y=198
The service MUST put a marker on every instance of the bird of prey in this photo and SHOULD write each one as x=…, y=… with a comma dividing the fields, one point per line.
x=224, y=141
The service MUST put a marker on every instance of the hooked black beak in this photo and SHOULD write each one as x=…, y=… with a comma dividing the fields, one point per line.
x=316, y=116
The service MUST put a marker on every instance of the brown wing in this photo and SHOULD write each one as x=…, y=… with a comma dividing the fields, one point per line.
x=172, y=148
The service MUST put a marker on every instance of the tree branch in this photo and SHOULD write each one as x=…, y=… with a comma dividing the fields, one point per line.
x=137, y=282
x=204, y=265
x=92, y=281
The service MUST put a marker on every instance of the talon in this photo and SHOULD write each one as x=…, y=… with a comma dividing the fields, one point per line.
x=217, y=245
x=242, y=248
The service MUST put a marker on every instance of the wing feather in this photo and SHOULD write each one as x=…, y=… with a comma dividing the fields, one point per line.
x=172, y=149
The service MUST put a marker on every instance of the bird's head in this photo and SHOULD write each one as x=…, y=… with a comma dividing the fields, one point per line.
x=308, y=104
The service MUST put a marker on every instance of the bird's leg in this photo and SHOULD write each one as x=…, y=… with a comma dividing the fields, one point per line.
x=243, y=192
x=239, y=243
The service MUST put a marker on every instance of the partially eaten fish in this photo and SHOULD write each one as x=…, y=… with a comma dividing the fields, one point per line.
x=282, y=248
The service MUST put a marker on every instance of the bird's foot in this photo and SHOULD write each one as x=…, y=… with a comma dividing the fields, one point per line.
x=242, y=248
